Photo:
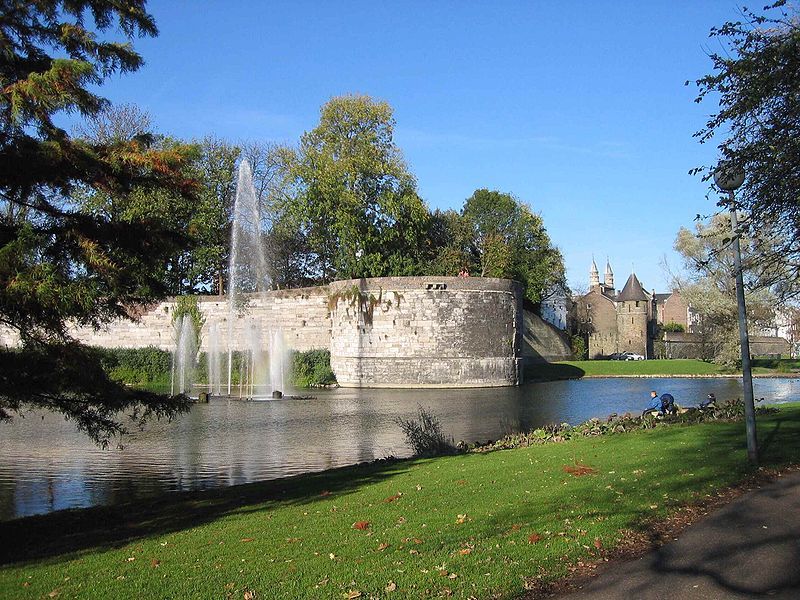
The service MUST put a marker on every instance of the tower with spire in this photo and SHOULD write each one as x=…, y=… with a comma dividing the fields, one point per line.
x=609, y=275
x=594, y=276
x=616, y=322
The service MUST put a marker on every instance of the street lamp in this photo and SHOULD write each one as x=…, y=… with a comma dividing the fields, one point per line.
x=729, y=178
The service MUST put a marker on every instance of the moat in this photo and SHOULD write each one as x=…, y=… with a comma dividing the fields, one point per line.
x=46, y=465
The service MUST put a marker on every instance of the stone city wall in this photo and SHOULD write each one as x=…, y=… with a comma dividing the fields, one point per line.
x=382, y=332
x=301, y=314
x=426, y=332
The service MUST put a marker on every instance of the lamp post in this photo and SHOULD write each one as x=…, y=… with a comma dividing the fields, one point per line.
x=729, y=179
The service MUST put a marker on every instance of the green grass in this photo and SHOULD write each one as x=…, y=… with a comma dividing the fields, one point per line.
x=462, y=523
x=768, y=366
x=582, y=368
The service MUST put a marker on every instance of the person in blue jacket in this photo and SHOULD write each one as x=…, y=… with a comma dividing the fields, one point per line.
x=665, y=404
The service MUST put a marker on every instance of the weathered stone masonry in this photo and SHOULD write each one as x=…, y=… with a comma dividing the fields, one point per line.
x=382, y=332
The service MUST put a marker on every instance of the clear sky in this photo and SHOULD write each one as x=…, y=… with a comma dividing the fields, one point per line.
x=577, y=108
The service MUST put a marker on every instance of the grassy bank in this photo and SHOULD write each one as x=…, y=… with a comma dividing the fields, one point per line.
x=655, y=368
x=470, y=525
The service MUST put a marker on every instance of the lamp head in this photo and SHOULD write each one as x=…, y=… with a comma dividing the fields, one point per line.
x=728, y=177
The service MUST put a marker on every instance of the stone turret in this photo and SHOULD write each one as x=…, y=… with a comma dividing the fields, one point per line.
x=594, y=276
x=633, y=315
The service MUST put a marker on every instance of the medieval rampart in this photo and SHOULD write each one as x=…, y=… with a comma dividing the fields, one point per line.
x=382, y=332
x=426, y=332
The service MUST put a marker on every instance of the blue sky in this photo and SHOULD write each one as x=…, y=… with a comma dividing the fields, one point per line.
x=577, y=108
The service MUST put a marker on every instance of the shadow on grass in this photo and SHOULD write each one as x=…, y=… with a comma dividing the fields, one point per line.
x=545, y=371
x=74, y=531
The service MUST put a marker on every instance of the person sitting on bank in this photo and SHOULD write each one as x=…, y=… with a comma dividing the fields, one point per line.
x=655, y=403
x=709, y=402
x=665, y=404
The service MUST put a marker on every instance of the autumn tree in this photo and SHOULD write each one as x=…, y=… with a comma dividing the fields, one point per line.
x=755, y=80
x=59, y=262
x=710, y=287
x=357, y=203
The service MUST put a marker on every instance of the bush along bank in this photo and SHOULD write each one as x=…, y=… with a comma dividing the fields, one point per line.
x=727, y=411
x=152, y=366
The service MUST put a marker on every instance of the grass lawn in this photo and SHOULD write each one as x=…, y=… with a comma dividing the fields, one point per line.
x=469, y=525
x=583, y=368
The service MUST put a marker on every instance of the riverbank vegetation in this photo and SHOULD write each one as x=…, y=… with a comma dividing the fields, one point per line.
x=651, y=368
x=473, y=525
x=150, y=367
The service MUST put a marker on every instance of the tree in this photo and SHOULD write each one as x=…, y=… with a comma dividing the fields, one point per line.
x=215, y=172
x=710, y=289
x=59, y=263
x=756, y=79
x=449, y=247
x=511, y=241
x=357, y=203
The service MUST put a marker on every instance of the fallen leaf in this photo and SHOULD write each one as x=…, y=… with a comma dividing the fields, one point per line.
x=579, y=469
x=331, y=556
x=391, y=586
x=26, y=584
x=393, y=498
x=597, y=543
x=417, y=541
x=249, y=595
x=465, y=551
x=461, y=519
x=353, y=594
x=413, y=551
x=516, y=527
x=154, y=563
x=383, y=546
x=362, y=525
x=248, y=540
x=53, y=594
x=533, y=538
x=452, y=576
x=130, y=559
x=292, y=540
x=230, y=586
x=443, y=572
x=419, y=487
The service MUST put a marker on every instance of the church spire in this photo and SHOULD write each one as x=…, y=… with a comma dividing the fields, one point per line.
x=594, y=275
x=609, y=276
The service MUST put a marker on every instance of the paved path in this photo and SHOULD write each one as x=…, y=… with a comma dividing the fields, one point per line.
x=748, y=549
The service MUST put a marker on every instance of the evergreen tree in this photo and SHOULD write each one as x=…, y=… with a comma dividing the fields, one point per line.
x=61, y=263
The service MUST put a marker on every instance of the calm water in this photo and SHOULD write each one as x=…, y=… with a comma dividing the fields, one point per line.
x=46, y=465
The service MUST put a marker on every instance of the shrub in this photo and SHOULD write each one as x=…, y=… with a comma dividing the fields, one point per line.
x=136, y=366
x=425, y=435
x=674, y=328
x=312, y=369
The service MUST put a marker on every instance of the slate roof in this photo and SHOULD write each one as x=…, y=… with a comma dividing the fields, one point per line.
x=633, y=290
x=661, y=298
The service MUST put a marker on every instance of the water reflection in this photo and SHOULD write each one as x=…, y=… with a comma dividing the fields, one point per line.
x=46, y=465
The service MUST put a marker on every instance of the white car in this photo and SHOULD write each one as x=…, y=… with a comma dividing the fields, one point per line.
x=631, y=356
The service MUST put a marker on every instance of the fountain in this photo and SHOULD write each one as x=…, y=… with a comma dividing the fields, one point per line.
x=248, y=274
x=185, y=356
x=214, y=360
x=279, y=362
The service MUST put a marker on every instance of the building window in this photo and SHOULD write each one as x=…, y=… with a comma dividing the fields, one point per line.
x=631, y=320
x=637, y=304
